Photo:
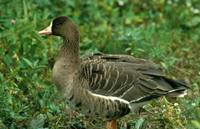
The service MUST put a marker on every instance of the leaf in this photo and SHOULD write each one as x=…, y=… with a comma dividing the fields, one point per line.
x=1, y=77
x=195, y=21
x=196, y=124
x=53, y=108
x=164, y=65
x=8, y=60
x=38, y=122
x=2, y=126
x=139, y=123
x=28, y=62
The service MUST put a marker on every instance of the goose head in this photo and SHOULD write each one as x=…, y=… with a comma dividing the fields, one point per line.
x=62, y=26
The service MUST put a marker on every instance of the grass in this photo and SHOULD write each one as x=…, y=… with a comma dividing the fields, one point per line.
x=165, y=31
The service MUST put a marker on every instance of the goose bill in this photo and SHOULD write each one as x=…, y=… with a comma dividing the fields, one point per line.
x=46, y=31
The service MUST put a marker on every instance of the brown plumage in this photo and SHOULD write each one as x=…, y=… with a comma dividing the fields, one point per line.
x=105, y=85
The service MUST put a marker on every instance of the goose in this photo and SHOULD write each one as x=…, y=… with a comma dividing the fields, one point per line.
x=105, y=85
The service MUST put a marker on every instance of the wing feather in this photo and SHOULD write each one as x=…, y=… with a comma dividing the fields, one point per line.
x=126, y=77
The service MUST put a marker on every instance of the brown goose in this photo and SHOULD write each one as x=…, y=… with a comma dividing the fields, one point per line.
x=105, y=85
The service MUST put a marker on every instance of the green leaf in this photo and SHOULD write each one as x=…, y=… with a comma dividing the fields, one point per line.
x=139, y=123
x=194, y=21
x=27, y=62
x=196, y=124
x=38, y=122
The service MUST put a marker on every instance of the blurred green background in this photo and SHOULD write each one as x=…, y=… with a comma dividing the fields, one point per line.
x=164, y=31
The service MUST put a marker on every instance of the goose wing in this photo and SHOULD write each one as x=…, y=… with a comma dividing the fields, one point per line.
x=132, y=79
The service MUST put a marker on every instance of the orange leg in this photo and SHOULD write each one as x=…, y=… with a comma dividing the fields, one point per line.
x=111, y=124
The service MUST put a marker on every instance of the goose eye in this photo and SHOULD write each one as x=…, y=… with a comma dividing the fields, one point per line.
x=58, y=24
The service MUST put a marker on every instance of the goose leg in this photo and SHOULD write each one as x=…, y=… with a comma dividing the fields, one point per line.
x=111, y=124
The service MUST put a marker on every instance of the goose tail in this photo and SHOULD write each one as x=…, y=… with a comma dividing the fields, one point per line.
x=180, y=87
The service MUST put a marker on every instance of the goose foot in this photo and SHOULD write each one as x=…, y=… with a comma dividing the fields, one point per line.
x=111, y=124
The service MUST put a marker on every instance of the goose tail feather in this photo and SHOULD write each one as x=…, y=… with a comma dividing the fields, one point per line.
x=180, y=87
